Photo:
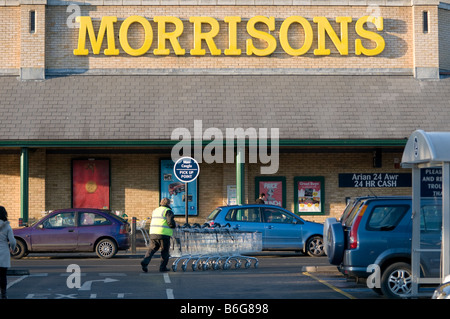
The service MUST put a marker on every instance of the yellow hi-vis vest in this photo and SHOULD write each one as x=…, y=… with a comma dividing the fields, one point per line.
x=159, y=223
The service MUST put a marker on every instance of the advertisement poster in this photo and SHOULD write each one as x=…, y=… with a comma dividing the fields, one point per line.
x=231, y=195
x=274, y=187
x=90, y=184
x=310, y=197
x=273, y=191
x=173, y=189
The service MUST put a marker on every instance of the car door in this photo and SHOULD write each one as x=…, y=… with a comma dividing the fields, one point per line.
x=281, y=229
x=246, y=219
x=57, y=232
x=91, y=226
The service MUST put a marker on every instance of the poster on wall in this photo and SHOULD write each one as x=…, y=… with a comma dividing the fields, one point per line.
x=173, y=189
x=309, y=195
x=273, y=187
x=231, y=195
x=90, y=184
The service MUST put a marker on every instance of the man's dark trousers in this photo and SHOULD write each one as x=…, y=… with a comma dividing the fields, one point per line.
x=155, y=245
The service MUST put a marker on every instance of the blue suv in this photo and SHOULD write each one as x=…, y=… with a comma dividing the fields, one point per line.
x=378, y=231
x=281, y=229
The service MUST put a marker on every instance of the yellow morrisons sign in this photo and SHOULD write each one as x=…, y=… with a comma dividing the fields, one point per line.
x=176, y=25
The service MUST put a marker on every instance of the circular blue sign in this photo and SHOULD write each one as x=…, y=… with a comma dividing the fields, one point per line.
x=186, y=169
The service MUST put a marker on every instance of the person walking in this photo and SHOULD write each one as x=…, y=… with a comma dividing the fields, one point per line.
x=7, y=245
x=161, y=230
x=261, y=199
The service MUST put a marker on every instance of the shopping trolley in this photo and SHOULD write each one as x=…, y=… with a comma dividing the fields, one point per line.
x=213, y=248
x=141, y=227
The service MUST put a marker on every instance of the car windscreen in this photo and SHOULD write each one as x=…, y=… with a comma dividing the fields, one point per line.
x=213, y=214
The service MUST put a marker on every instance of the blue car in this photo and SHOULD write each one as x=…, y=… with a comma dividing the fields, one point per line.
x=281, y=229
x=377, y=231
x=74, y=230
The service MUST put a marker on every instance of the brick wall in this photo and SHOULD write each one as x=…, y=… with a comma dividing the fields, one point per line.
x=61, y=41
x=135, y=181
x=10, y=39
x=51, y=46
x=330, y=166
x=10, y=185
x=444, y=38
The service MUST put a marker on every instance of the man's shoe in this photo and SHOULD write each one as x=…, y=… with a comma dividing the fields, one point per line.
x=144, y=267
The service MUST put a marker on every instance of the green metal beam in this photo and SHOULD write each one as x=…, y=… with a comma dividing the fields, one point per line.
x=170, y=143
x=240, y=176
x=24, y=190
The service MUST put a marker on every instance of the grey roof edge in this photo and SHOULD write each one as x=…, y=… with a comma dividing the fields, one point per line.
x=235, y=71
x=219, y=2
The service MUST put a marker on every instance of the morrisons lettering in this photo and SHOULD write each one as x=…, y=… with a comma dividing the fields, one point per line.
x=200, y=36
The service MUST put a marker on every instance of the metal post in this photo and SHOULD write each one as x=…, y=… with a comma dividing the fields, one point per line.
x=415, y=240
x=24, y=184
x=445, y=248
x=186, y=202
x=240, y=175
x=133, y=235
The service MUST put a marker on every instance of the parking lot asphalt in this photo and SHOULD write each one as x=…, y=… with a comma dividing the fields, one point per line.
x=280, y=275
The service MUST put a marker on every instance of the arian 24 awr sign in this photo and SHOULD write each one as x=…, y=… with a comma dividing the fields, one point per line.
x=375, y=180
x=259, y=28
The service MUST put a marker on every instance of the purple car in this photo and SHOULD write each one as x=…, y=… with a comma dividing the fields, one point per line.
x=74, y=230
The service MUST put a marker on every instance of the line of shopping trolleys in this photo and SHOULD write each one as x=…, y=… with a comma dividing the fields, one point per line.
x=206, y=247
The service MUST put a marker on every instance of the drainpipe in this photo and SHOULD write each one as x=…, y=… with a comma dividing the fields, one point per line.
x=240, y=175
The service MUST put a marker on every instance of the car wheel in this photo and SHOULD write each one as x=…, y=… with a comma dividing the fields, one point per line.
x=20, y=251
x=396, y=280
x=106, y=248
x=314, y=246
x=335, y=243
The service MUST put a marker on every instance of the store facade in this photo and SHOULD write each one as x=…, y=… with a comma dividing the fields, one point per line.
x=97, y=96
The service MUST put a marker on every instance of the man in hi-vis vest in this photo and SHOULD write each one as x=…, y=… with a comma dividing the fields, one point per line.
x=161, y=229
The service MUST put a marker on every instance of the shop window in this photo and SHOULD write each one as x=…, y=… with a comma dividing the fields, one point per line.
x=32, y=21
x=425, y=21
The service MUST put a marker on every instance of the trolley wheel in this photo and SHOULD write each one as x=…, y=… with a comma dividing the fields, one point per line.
x=183, y=267
x=174, y=268
x=238, y=265
x=256, y=264
x=226, y=266
x=248, y=264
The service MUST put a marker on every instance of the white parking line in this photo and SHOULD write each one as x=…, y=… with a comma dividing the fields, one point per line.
x=16, y=281
x=166, y=278
x=169, y=293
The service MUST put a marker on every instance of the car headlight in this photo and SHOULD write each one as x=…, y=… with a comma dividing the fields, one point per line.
x=443, y=292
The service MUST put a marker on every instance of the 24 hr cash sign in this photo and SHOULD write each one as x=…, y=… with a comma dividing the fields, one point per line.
x=323, y=28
